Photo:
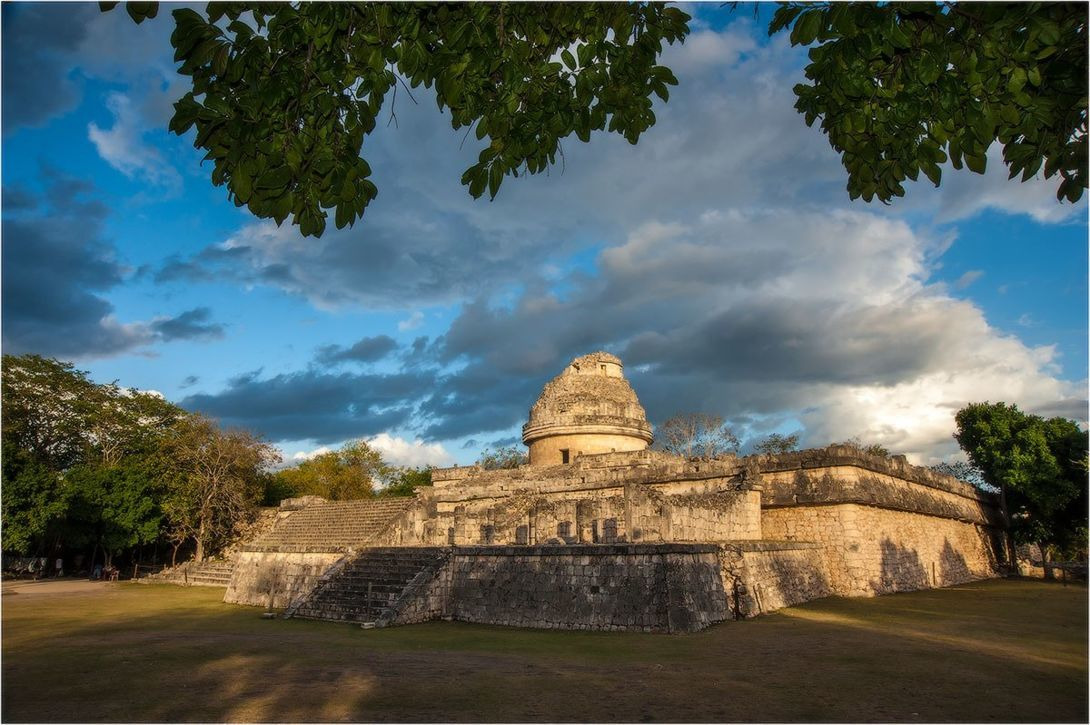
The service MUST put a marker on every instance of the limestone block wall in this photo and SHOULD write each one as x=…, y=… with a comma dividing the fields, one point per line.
x=763, y=576
x=642, y=587
x=285, y=574
x=843, y=474
x=650, y=588
x=634, y=513
x=867, y=550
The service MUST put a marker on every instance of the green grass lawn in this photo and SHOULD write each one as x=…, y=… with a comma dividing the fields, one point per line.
x=991, y=651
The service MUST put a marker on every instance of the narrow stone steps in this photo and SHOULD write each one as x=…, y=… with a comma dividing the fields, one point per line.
x=366, y=587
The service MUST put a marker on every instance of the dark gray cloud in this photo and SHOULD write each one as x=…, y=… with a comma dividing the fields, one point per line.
x=314, y=405
x=38, y=40
x=368, y=349
x=58, y=269
x=813, y=320
x=57, y=265
x=189, y=381
x=17, y=197
x=190, y=325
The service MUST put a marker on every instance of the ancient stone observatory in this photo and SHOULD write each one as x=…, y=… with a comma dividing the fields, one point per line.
x=589, y=408
x=617, y=536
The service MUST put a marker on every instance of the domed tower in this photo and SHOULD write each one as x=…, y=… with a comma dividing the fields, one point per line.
x=588, y=408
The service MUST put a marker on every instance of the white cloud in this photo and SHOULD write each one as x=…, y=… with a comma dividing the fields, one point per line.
x=412, y=322
x=735, y=275
x=401, y=452
x=968, y=278
x=827, y=317
x=301, y=456
x=122, y=146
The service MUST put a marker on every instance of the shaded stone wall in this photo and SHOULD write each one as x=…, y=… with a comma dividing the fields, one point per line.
x=762, y=576
x=283, y=575
x=867, y=550
x=650, y=588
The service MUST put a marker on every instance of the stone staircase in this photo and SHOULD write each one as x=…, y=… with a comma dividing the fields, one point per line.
x=210, y=573
x=331, y=525
x=370, y=585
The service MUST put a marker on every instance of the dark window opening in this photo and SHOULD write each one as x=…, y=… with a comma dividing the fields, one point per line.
x=563, y=455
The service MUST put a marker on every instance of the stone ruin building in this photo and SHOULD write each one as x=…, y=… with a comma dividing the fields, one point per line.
x=600, y=532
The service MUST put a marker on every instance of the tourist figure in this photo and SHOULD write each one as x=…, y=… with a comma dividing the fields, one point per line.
x=97, y=573
x=59, y=565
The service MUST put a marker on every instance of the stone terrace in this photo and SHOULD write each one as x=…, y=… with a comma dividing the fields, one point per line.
x=331, y=526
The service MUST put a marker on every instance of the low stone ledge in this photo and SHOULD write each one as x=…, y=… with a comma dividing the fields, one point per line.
x=897, y=467
x=585, y=550
x=988, y=516
x=296, y=549
x=768, y=545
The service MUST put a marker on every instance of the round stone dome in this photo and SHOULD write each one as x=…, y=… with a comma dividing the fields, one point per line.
x=588, y=408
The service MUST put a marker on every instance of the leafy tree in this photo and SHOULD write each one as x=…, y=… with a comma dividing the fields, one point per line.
x=48, y=405
x=78, y=458
x=217, y=481
x=873, y=449
x=125, y=421
x=277, y=488
x=405, y=481
x=1039, y=465
x=900, y=88
x=696, y=435
x=777, y=443
x=283, y=95
x=502, y=458
x=353, y=472
x=115, y=508
x=964, y=471
x=34, y=502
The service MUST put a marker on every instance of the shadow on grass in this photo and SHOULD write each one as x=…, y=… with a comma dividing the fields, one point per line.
x=1006, y=651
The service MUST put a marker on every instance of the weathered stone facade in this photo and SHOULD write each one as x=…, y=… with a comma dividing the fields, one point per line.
x=625, y=539
x=589, y=408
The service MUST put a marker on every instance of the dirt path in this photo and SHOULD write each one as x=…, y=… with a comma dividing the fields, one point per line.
x=52, y=587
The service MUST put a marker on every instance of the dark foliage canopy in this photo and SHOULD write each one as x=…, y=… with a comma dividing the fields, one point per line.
x=284, y=94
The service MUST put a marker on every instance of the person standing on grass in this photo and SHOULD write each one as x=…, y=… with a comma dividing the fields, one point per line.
x=59, y=565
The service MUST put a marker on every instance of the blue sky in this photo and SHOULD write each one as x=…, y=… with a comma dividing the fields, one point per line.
x=720, y=257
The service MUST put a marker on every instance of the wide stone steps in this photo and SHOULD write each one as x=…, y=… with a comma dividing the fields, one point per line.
x=206, y=574
x=334, y=525
x=365, y=587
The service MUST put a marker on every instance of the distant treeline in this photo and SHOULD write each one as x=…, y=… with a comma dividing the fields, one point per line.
x=105, y=474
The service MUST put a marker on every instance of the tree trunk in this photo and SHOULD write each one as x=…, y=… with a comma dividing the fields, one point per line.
x=1012, y=553
x=1044, y=546
x=199, y=555
x=174, y=555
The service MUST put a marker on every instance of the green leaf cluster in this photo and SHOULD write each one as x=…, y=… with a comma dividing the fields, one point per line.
x=103, y=469
x=504, y=457
x=900, y=88
x=284, y=95
x=350, y=473
x=406, y=481
x=1041, y=463
x=776, y=443
x=82, y=463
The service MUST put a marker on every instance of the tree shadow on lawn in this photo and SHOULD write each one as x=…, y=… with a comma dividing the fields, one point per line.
x=162, y=656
